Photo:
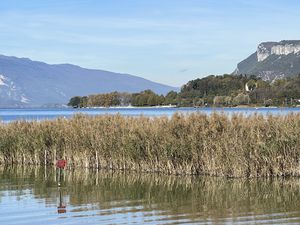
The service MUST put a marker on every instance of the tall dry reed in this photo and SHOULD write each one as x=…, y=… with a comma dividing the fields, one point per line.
x=217, y=144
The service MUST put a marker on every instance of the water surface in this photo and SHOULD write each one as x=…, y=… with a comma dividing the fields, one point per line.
x=31, y=196
x=7, y=115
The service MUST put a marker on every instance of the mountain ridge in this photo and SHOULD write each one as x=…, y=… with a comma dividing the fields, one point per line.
x=272, y=60
x=26, y=82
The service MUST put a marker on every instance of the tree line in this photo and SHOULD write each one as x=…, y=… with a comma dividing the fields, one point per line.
x=225, y=90
x=144, y=98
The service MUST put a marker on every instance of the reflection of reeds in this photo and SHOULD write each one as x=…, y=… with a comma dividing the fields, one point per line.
x=219, y=145
x=207, y=197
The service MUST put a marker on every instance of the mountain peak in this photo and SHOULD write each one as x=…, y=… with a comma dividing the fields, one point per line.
x=272, y=60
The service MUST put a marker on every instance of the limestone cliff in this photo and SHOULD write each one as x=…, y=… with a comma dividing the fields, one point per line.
x=266, y=49
x=273, y=60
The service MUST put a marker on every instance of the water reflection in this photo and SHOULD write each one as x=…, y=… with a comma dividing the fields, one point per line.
x=110, y=198
x=62, y=207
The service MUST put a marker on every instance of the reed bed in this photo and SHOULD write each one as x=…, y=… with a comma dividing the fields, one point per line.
x=194, y=144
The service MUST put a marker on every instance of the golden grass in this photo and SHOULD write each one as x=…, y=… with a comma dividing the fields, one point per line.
x=195, y=144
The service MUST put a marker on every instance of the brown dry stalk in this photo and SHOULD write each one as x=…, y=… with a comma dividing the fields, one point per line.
x=217, y=144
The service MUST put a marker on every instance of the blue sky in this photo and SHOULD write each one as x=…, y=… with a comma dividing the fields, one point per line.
x=168, y=41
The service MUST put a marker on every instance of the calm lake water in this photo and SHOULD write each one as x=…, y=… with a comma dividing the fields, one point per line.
x=31, y=196
x=7, y=115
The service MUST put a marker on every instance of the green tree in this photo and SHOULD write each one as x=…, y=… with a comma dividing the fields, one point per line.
x=75, y=102
x=83, y=102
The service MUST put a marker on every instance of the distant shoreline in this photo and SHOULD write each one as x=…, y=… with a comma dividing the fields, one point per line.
x=131, y=107
x=152, y=107
x=174, y=106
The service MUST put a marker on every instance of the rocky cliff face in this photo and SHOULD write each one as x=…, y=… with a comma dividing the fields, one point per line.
x=273, y=60
x=266, y=49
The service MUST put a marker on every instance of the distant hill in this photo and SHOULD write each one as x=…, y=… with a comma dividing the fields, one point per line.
x=272, y=60
x=24, y=82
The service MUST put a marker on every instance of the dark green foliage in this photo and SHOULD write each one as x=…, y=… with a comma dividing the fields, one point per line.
x=225, y=90
x=144, y=98
x=75, y=102
x=213, y=90
x=280, y=92
x=100, y=100
x=171, y=98
x=213, y=86
x=147, y=98
x=84, y=101
x=104, y=100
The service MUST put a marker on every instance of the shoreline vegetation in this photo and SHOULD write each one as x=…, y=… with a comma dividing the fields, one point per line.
x=211, y=91
x=174, y=106
x=193, y=144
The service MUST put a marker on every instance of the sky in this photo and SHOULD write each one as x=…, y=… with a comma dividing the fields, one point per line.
x=167, y=41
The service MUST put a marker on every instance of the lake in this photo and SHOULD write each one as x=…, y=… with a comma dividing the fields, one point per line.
x=7, y=115
x=31, y=196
